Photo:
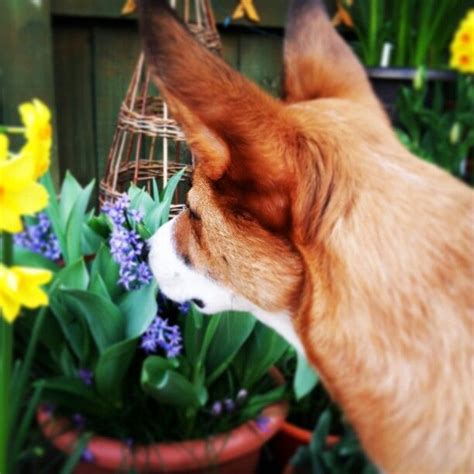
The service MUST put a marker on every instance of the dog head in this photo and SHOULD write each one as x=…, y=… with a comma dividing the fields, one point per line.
x=263, y=174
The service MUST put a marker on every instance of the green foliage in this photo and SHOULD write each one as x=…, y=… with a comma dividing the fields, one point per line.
x=95, y=325
x=441, y=132
x=419, y=30
x=68, y=215
x=345, y=457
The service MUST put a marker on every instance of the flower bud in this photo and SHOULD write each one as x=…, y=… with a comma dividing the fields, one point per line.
x=455, y=133
x=419, y=78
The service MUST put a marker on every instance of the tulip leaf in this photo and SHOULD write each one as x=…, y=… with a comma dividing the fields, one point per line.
x=263, y=349
x=104, y=319
x=28, y=258
x=139, y=308
x=108, y=269
x=74, y=276
x=166, y=385
x=111, y=368
x=233, y=330
x=75, y=221
x=73, y=393
x=167, y=195
x=305, y=379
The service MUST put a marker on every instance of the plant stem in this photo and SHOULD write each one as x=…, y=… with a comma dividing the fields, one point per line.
x=372, y=47
x=6, y=356
x=7, y=129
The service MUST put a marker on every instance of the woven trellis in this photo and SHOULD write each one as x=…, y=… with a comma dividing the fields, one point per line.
x=148, y=144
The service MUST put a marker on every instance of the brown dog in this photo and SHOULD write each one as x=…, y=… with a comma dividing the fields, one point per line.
x=311, y=214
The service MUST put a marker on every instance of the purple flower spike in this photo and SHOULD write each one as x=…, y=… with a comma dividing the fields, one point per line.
x=39, y=238
x=160, y=334
x=229, y=405
x=87, y=455
x=262, y=422
x=126, y=247
x=184, y=307
x=242, y=395
x=86, y=375
x=216, y=408
x=79, y=420
x=136, y=215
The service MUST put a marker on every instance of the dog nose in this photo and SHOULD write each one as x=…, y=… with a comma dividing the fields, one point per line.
x=199, y=303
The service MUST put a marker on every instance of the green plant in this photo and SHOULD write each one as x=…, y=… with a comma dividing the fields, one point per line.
x=440, y=131
x=418, y=30
x=104, y=364
x=344, y=457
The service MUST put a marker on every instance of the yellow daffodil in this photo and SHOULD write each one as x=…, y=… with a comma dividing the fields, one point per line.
x=3, y=147
x=36, y=118
x=462, y=46
x=20, y=286
x=19, y=193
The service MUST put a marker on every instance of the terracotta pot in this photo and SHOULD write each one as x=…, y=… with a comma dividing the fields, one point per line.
x=235, y=452
x=290, y=438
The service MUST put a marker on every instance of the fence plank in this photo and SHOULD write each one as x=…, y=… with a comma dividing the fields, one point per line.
x=261, y=60
x=74, y=99
x=116, y=52
x=26, y=65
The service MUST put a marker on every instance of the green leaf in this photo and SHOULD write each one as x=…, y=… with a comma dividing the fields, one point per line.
x=91, y=241
x=108, y=269
x=103, y=318
x=140, y=200
x=27, y=258
x=194, y=328
x=263, y=349
x=73, y=328
x=167, y=386
x=234, y=328
x=74, y=458
x=321, y=432
x=72, y=393
x=257, y=403
x=75, y=223
x=167, y=194
x=52, y=211
x=98, y=287
x=139, y=308
x=70, y=192
x=74, y=276
x=111, y=368
x=305, y=378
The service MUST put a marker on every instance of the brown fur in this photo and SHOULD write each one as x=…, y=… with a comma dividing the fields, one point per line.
x=312, y=206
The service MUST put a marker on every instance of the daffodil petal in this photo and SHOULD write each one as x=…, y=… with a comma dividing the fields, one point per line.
x=17, y=172
x=31, y=199
x=9, y=220
x=37, y=276
x=32, y=297
x=3, y=147
x=9, y=308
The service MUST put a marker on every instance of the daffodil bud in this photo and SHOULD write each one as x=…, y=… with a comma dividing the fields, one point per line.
x=419, y=78
x=455, y=133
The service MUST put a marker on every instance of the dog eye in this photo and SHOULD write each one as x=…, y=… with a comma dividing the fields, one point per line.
x=193, y=214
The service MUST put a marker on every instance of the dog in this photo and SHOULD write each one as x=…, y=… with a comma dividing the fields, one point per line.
x=309, y=213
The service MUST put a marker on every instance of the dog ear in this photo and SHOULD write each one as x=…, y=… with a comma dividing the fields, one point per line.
x=318, y=62
x=232, y=126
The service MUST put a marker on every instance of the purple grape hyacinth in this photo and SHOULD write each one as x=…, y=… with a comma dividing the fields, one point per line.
x=126, y=245
x=160, y=334
x=39, y=238
x=86, y=375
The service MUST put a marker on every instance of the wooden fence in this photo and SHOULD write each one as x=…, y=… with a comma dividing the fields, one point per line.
x=78, y=56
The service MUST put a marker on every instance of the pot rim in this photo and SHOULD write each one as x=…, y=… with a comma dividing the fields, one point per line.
x=112, y=454
x=408, y=73
x=304, y=435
